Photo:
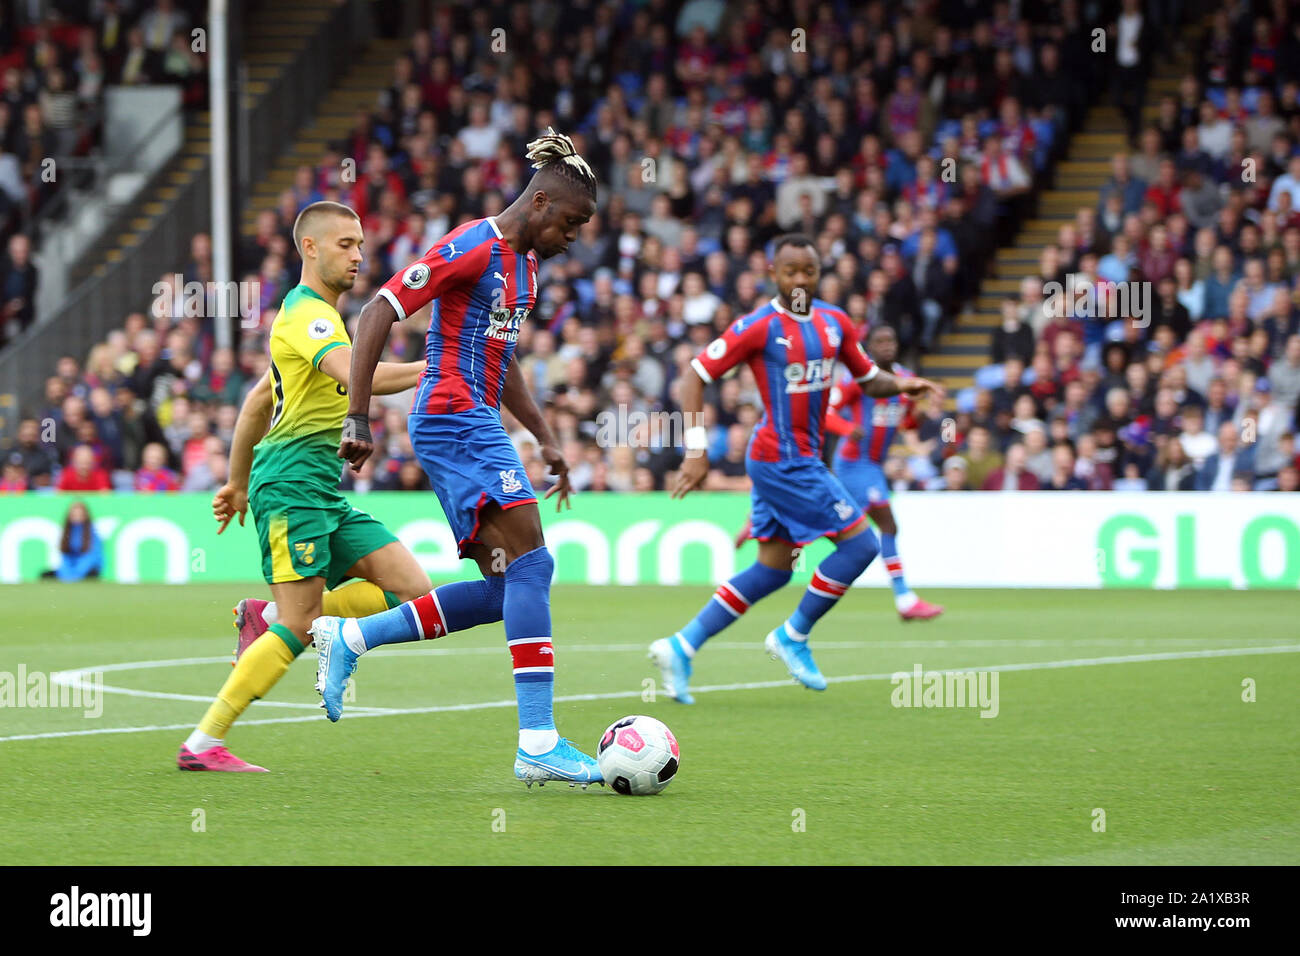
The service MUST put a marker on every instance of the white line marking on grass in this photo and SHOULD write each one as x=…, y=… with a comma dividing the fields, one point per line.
x=715, y=688
x=78, y=678
x=567, y=649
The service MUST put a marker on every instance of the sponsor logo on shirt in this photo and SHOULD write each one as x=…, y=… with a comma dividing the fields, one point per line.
x=504, y=323
x=887, y=414
x=815, y=375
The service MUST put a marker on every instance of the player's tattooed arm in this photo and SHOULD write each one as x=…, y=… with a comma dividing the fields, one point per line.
x=373, y=327
x=695, y=465
x=519, y=402
x=254, y=419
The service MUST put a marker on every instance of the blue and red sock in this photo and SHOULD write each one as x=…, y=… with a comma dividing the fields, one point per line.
x=527, y=614
x=452, y=607
x=893, y=564
x=831, y=580
x=732, y=599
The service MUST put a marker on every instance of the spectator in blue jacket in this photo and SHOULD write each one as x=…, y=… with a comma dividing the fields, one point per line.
x=1232, y=460
x=81, y=550
x=1122, y=181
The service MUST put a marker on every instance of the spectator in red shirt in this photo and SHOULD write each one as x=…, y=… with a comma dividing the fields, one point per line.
x=694, y=59
x=1060, y=323
x=13, y=479
x=377, y=180
x=83, y=472
x=1164, y=192
x=1157, y=260
x=154, y=475
x=1018, y=137
x=1013, y=475
x=1045, y=386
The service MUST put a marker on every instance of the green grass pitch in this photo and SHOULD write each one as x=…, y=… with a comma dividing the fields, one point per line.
x=1108, y=701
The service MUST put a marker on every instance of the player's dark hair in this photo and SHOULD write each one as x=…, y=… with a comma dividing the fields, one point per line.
x=315, y=210
x=878, y=329
x=554, y=157
x=793, y=239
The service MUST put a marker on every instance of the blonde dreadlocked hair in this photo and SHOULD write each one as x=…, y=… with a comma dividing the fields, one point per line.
x=554, y=153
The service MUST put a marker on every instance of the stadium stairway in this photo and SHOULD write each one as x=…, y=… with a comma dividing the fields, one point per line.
x=1076, y=181
x=334, y=118
x=277, y=33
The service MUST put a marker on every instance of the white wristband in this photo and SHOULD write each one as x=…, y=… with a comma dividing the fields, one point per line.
x=697, y=438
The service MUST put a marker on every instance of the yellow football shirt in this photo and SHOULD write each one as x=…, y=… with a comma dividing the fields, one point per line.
x=302, y=443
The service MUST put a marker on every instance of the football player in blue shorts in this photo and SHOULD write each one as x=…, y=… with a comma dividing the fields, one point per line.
x=867, y=429
x=791, y=344
x=482, y=280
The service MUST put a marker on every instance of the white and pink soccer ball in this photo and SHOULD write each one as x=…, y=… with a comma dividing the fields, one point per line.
x=638, y=756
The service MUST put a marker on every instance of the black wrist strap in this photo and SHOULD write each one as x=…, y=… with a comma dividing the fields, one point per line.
x=356, y=428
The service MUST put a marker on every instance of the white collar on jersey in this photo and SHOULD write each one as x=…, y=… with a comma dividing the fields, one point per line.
x=776, y=304
x=492, y=221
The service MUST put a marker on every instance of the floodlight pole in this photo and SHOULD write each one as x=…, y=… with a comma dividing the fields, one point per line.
x=221, y=98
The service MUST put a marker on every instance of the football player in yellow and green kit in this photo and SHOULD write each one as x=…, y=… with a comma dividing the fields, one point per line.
x=310, y=537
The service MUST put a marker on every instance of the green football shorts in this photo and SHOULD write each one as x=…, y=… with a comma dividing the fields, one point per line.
x=310, y=534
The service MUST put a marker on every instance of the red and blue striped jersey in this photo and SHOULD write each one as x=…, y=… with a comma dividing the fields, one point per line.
x=879, y=419
x=793, y=360
x=482, y=291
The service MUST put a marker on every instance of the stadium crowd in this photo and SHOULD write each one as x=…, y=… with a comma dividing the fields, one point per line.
x=53, y=74
x=904, y=144
x=1157, y=346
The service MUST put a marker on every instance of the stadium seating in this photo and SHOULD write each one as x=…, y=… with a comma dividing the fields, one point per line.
x=426, y=131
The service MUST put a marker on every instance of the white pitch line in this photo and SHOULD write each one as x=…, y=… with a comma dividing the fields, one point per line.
x=715, y=688
x=78, y=679
x=75, y=678
x=566, y=649
x=428, y=651
x=146, y=665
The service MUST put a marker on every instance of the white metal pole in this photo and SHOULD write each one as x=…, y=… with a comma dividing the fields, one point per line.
x=219, y=162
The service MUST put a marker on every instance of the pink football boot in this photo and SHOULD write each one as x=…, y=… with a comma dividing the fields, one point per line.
x=250, y=624
x=921, y=611
x=215, y=758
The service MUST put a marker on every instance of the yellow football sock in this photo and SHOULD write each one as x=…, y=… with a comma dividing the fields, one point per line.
x=357, y=599
x=264, y=663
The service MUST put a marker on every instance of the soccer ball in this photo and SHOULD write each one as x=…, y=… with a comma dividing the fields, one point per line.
x=638, y=756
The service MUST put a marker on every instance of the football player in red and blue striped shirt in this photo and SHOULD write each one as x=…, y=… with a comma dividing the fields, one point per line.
x=791, y=344
x=482, y=281
x=868, y=432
